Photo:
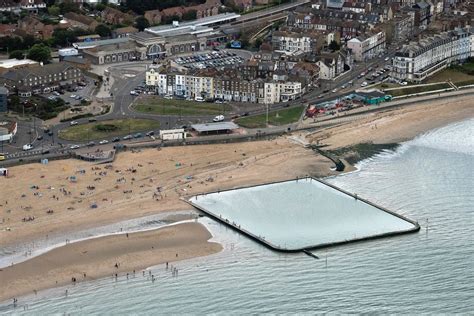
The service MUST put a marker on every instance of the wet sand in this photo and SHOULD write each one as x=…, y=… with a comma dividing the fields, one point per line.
x=96, y=258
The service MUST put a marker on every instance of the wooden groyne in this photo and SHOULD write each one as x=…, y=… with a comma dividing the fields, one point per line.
x=337, y=162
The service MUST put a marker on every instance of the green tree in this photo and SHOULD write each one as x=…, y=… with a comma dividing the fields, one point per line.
x=103, y=30
x=100, y=7
x=63, y=37
x=334, y=46
x=40, y=52
x=69, y=6
x=141, y=23
x=190, y=15
x=54, y=10
x=18, y=54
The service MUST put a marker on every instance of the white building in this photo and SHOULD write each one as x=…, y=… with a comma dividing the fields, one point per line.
x=417, y=61
x=367, y=47
x=290, y=90
x=293, y=41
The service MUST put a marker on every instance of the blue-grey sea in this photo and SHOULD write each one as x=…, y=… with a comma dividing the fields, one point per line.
x=429, y=179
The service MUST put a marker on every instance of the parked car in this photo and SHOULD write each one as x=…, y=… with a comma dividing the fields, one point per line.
x=116, y=139
x=133, y=92
x=102, y=142
x=138, y=135
x=364, y=84
x=73, y=123
x=218, y=118
x=40, y=137
x=92, y=119
x=90, y=144
x=150, y=133
x=74, y=147
x=127, y=137
x=199, y=99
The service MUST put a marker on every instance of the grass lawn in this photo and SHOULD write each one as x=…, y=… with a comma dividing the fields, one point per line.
x=280, y=117
x=465, y=82
x=105, y=129
x=449, y=74
x=156, y=105
x=417, y=89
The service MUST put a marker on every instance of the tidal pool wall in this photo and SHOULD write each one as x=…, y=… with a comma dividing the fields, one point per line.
x=301, y=214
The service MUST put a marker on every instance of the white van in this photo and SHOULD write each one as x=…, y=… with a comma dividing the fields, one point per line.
x=218, y=118
x=199, y=99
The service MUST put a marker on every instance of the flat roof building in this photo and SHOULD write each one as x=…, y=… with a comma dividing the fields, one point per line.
x=214, y=128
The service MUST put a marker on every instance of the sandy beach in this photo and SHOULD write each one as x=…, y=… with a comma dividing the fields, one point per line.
x=105, y=256
x=69, y=195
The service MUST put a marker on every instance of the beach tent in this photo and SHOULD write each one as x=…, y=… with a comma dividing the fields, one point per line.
x=4, y=172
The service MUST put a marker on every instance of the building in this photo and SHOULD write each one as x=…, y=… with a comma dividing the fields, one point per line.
x=294, y=42
x=8, y=130
x=3, y=99
x=367, y=46
x=31, y=25
x=124, y=31
x=209, y=8
x=228, y=85
x=114, y=16
x=215, y=128
x=81, y=21
x=419, y=60
x=10, y=64
x=32, y=5
x=40, y=79
x=114, y=53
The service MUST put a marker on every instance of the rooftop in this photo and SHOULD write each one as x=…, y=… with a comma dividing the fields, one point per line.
x=10, y=63
x=214, y=127
x=163, y=29
x=92, y=44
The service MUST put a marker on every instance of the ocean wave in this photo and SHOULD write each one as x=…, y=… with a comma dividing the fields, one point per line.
x=456, y=138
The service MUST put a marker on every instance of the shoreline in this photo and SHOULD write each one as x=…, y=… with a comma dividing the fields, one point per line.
x=104, y=256
x=150, y=182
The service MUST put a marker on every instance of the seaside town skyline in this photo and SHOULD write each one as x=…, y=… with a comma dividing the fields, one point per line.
x=134, y=133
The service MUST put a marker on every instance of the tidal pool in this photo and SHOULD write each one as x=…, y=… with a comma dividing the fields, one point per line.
x=301, y=214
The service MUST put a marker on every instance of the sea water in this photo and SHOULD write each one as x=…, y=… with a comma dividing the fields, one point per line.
x=430, y=179
x=299, y=214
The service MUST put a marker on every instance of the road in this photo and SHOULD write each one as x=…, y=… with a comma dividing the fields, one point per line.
x=129, y=75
